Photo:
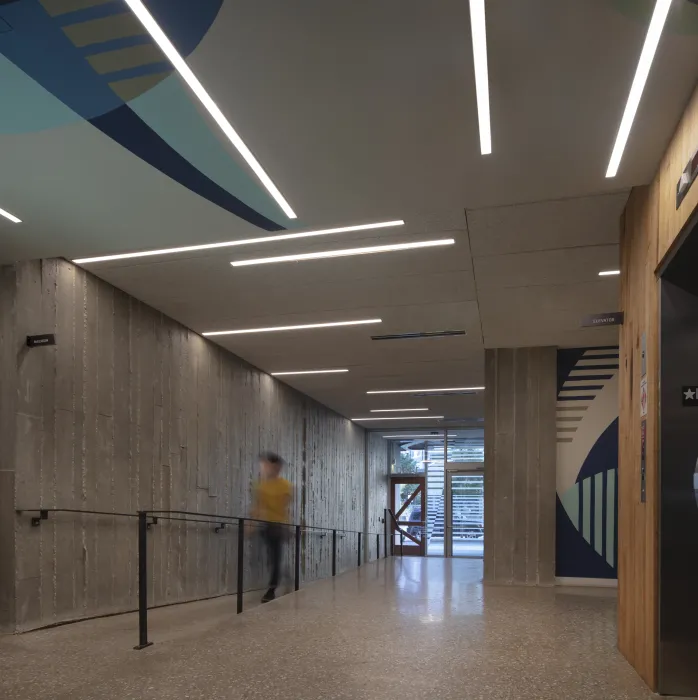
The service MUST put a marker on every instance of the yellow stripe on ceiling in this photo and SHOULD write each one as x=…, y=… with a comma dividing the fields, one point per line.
x=130, y=88
x=60, y=7
x=97, y=31
x=123, y=59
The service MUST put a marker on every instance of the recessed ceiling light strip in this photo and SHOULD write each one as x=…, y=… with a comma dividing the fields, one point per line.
x=307, y=326
x=309, y=371
x=243, y=241
x=344, y=253
x=9, y=216
x=414, y=391
x=479, y=33
x=654, y=33
x=396, y=410
x=206, y=100
x=400, y=418
x=609, y=273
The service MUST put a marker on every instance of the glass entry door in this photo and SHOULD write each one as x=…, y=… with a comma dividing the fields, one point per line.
x=465, y=512
x=407, y=501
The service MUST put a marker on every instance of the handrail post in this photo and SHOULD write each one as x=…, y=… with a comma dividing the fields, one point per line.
x=143, y=581
x=298, y=557
x=378, y=546
x=359, y=557
x=402, y=543
x=334, y=552
x=241, y=562
x=385, y=532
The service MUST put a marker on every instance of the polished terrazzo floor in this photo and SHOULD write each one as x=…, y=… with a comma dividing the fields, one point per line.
x=399, y=629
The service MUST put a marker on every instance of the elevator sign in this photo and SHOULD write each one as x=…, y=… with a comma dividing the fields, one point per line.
x=689, y=395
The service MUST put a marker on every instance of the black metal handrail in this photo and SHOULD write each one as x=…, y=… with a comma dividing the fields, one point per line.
x=148, y=518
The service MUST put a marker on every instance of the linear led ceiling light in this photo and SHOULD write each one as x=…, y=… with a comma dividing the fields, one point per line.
x=482, y=89
x=609, y=273
x=307, y=326
x=654, y=33
x=243, y=241
x=344, y=253
x=415, y=391
x=9, y=216
x=206, y=100
x=400, y=418
x=414, y=437
x=309, y=371
x=396, y=410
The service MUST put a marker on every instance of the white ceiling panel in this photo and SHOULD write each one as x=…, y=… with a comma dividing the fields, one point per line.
x=547, y=267
x=565, y=223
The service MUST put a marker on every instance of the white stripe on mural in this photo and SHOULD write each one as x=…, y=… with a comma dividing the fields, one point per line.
x=584, y=372
x=600, y=351
x=598, y=513
x=610, y=519
x=586, y=509
x=570, y=502
x=597, y=361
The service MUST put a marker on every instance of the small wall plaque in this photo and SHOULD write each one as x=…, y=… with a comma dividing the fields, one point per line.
x=34, y=341
x=613, y=318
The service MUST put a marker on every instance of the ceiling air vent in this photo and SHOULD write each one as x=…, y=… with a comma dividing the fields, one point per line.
x=409, y=336
x=443, y=393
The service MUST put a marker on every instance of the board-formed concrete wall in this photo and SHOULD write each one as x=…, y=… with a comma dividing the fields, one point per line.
x=520, y=450
x=128, y=411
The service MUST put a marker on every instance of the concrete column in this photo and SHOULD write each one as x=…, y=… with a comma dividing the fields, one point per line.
x=520, y=452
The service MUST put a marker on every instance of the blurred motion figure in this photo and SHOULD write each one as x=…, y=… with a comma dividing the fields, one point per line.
x=272, y=499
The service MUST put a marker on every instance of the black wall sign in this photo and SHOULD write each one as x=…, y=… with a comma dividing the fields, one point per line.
x=34, y=341
x=688, y=176
x=613, y=318
x=689, y=395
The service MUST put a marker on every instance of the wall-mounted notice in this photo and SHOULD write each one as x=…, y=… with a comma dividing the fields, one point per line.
x=643, y=397
x=643, y=461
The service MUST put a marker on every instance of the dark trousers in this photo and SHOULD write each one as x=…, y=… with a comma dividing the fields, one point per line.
x=273, y=538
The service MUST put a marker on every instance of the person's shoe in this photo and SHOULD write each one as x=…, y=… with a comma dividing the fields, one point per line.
x=269, y=596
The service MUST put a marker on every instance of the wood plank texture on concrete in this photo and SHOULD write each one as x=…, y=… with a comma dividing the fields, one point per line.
x=520, y=465
x=132, y=411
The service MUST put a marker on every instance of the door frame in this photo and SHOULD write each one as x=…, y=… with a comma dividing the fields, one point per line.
x=421, y=542
x=451, y=468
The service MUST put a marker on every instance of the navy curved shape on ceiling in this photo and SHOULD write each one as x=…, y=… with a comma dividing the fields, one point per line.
x=81, y=76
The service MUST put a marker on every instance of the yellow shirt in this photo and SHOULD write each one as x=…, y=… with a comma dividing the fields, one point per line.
x=272, y=500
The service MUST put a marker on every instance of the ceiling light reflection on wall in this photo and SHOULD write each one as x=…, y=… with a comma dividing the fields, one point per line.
x=415, y=391
x=414, y=437
x=344, y=253
x=303, y=327
x=399, y=418
x=9, y=216
x=654, y=33
x=609, y=273
x=396, y=410
x=308, y=371
x=243, y=241
x=180, y=65
x=479, y=34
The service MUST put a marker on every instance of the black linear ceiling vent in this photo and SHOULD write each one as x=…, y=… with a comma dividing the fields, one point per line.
x=443, y=393
x=410, y=336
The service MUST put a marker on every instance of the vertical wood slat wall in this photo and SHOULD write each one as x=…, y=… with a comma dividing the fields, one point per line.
x=651, y=225
x=638, y=522
x=130, y=410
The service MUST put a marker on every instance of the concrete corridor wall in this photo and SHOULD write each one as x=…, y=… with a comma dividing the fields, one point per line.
x=131, y=410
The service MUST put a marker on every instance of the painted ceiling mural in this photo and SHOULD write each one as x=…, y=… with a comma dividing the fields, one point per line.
x=66, y=60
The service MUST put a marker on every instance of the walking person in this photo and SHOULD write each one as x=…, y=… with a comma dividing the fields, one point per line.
x=272, y=500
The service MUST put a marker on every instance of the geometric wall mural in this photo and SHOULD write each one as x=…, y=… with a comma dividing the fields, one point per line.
x=65, y=61
x=587, y=463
